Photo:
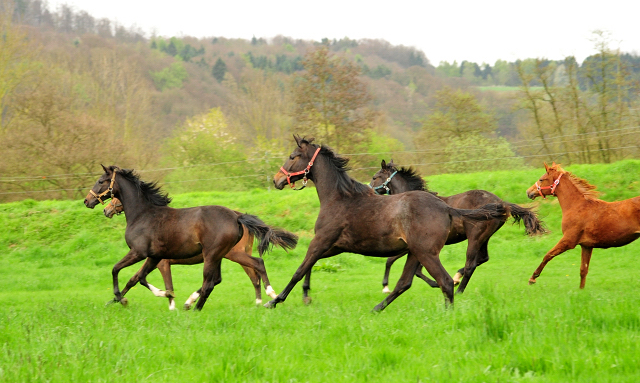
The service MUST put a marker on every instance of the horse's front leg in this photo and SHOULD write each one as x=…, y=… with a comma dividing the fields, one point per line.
x=562, y=246
x=320, y=247
x=131, y=258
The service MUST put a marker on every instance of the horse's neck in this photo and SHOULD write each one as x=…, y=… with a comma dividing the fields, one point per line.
x=399, y=185
x=133, y=204
x=568, y=194
x=326, y=181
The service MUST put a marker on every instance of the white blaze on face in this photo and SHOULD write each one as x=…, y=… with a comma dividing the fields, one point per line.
x=192, y=299
x=156, y=291
x=270, y=292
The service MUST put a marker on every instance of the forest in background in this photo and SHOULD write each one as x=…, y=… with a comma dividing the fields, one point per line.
x=218, y=114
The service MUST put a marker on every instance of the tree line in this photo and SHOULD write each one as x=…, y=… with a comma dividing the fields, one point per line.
x=217, y=114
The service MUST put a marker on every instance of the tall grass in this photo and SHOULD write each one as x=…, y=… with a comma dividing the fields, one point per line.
x=55, y=278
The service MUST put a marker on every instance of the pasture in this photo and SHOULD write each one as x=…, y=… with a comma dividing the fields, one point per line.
x=56, y=277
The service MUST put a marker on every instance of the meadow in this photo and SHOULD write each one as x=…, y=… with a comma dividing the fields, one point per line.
x=56, y=278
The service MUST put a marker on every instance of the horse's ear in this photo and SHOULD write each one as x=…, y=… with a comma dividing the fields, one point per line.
x=546, y=167
x=298, y=139
x=104, y=168
x=383, y=164
x=310, y=140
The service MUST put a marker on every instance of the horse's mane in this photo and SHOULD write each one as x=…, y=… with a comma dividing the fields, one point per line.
x=583, y=185
x=150, y=191
x=415, y=181
x=346, y=185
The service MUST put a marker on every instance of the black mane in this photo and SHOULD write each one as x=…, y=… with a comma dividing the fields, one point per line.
x=149, y=190
x=346, y=185
x=415, y=181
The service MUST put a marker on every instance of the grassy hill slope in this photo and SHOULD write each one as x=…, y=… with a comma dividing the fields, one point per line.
x=57, y=257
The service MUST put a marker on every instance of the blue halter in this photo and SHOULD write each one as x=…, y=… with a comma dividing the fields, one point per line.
x=384, y=185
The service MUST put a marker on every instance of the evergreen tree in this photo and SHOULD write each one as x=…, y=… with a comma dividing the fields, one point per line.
x=219, y=70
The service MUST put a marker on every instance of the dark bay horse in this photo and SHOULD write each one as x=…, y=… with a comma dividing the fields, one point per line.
x=241, y=254
x=353, y=218
x=391, y=179
x=156, y=231
x=586, y=220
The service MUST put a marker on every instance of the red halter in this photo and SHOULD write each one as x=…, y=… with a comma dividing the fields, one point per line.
x=305, y=172
x=552, y=187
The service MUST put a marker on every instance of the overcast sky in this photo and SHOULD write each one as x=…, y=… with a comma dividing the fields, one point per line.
x=479, y=31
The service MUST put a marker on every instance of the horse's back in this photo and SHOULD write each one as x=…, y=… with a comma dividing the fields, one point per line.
x=472, y=199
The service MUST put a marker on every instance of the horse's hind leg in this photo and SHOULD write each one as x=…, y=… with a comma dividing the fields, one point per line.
x=558, y=249
x=253, y=266
x=584, y=265
x=128, y=260
x=387, y=270
x=477, y=254
x=429, y=281
x=164, y=266
x=211, y=277
x=306, y=286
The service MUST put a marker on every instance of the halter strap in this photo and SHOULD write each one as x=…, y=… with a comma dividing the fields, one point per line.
x=384, y=185
x=552, y=187
x=305, y=172
x=110, y=190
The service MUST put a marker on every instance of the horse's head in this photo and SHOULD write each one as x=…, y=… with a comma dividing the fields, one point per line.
x=298, y=166
x=382, y=179
x=547, y=183
x=114, y=207
x=104, y=188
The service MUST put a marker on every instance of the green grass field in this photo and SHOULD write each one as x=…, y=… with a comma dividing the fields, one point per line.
x=55, y=279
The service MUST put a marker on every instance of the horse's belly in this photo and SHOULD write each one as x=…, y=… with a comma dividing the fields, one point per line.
x=613, y=242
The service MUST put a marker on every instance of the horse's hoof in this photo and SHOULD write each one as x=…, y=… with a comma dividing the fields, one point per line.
x=271, y=292
x=258, y=302
x=270, y=305
x=457, y=279
x=307, y=300
x=124, y=301
x=385, y=290
x=186, y=307
x=532, y=281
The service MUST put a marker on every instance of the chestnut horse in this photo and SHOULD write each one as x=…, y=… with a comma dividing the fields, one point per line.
x=353, y=218
x=586, y=220
x=391, y=179
x=241, y=254
x=156, y=231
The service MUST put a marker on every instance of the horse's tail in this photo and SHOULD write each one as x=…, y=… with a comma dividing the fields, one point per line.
x=485, y=213
x=532, y=224
x=267, y=235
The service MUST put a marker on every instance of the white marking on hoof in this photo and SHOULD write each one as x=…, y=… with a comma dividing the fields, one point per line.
x=156, y=291
x=258, y=301
x=386, y=290
x=270, y=292
x=172, y=305
x=456, y=279
x=192, y=299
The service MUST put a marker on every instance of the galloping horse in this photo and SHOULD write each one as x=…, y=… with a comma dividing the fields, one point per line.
x=391, y=179
x=353, y=218
x=586, y=220
x=241, y=254
x=156, y=231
